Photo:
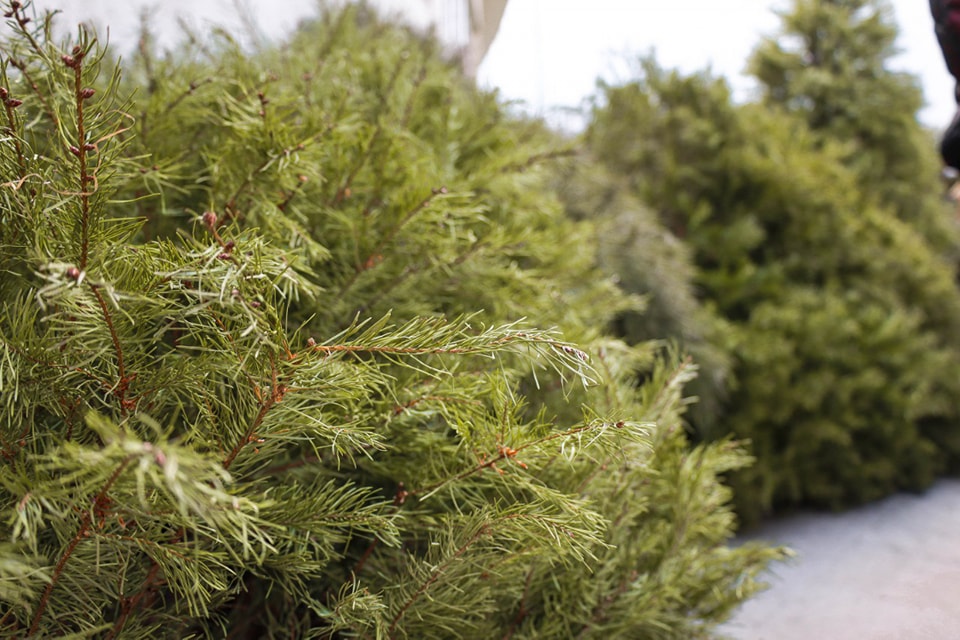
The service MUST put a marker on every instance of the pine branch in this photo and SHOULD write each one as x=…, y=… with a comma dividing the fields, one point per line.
x=250, y=435
x=365, y=155
x=128, y=605
x=436, y=575
x=10, y=104
x=596, y=429
x=22, y=68
x=424, y=336
x=100, y=505
x=123, y=380
x=521, y=608
x=375, y=256
x=81, y=148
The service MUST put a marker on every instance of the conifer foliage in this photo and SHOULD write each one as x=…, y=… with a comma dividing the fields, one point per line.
x=265, y=374
x=818, y=235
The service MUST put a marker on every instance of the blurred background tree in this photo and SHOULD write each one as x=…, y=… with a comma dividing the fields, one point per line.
x=824, y=243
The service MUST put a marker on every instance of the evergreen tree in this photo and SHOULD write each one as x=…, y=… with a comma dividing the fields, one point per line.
x=830, y=65
x=650, y=262
x=844, y=316
x=264, y=373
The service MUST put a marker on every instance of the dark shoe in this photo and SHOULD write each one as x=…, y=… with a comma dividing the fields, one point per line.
x=950, y=144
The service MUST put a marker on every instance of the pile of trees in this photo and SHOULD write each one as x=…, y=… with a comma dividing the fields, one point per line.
x=276, y=361
x=821, y=247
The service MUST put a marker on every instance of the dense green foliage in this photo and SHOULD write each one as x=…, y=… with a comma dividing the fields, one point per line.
x=831, y=66
x=649, y=261
x=265, y=373
x=822, y=243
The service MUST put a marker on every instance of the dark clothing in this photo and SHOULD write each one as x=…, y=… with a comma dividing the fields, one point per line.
x=946, y=18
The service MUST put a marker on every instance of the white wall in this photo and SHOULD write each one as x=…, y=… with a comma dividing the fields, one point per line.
x=274, y=18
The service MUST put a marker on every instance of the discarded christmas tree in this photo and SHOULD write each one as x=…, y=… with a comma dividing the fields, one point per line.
x=842, y=302
x=265, y=373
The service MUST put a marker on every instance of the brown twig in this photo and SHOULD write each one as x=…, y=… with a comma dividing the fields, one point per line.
x=10, y=104
x=436, y=575
x=17, y=12
x=600, y=611
x=277, y=392
x=22, y=67
x=505, y=453
x=374, y=258
x=522, y=609
x=344, y=189
x=537, y=158
x=123, y=382
x=99, y=504
x=130, y=604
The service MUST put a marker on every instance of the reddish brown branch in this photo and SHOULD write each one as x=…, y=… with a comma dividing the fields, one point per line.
x=18, y=13
x=75, y=62
x=82, y=532
x=22, y=68
x=359, y=348
x=436, y=575
x=295, y=464
x=537, y=158
x=123, y=382
x=3, y=620
x=277, y=392
x=344, y=190
x=144, y=594
x=366, y=556
x=130, y=604
x=387, y=239
x=248, y=436
x=522, y=609
x=400, y=408
x=602, y=608
x=192, y=87
x=10, y=104
x=505, y=453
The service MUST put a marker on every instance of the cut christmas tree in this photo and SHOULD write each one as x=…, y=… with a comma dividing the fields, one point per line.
x=270, y=362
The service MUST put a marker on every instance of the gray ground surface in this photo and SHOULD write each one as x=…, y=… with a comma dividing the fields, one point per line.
x=887, y=571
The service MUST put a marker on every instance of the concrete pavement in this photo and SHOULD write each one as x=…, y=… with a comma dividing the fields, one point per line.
x=886, y=571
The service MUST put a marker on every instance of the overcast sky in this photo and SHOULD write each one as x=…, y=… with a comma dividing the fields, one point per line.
x=549, y=53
